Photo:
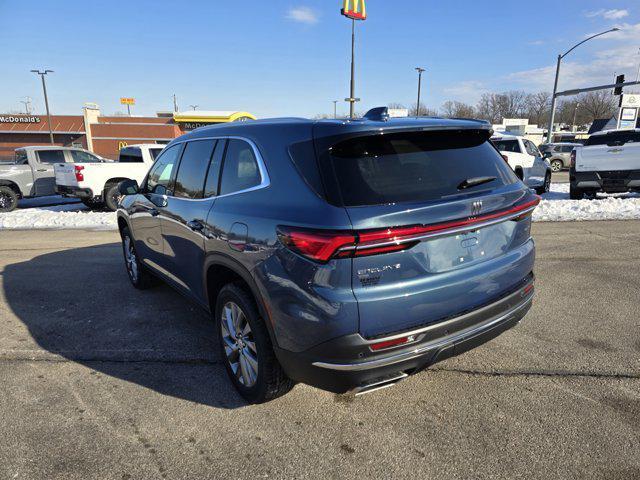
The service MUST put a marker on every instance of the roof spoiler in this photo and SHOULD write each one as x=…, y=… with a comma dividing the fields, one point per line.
x=378, y=114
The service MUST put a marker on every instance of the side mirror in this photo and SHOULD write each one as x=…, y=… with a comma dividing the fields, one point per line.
x=128, y=187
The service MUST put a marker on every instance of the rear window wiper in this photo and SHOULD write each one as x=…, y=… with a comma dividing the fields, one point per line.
x=475, y=181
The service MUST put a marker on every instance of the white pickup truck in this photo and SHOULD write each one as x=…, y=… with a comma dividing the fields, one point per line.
x=608, y=162
x=96, y=184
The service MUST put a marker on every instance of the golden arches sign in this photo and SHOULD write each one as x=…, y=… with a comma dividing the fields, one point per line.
x=355, y=9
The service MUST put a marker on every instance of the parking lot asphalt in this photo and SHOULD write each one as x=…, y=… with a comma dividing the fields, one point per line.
x=99, y=380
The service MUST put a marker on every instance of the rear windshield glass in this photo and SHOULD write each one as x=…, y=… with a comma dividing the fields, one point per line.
x=154, y=152
x=618, y=138
x=416, y=166
x=507, y=145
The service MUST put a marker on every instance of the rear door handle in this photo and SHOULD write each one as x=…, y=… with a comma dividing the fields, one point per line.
x=195, y=225
x=41, y=170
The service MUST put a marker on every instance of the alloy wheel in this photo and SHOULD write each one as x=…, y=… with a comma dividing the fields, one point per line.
x=239, y=344
x=130, y=258
x=556, y=166
x=5, y=200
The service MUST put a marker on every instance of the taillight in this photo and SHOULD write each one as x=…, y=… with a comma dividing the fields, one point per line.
x=78, y=171
x=323, y=245
x=573, y=159
x=319, y=245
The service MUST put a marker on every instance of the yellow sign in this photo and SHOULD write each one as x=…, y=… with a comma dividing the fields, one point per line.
x=121, y=145
x=354, y=9
x=127, y=101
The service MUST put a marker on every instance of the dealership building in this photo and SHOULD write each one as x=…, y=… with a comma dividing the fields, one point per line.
x=104, y=135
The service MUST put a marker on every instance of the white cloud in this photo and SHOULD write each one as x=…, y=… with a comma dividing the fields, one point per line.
x=621, y=57
x=613, y=14
x=303, y=15
x=536, y=43
x=466, y=91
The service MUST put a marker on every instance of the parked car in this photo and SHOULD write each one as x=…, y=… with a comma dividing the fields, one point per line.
x=558, y=154
x=97, y=185
x=608, y=162
x=526, y=160
x=330, y=254
x=31, y=173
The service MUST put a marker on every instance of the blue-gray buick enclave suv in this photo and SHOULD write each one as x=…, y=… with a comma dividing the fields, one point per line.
x=345, y=254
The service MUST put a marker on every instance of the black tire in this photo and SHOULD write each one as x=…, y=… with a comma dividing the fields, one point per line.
x=270, y=382
x=8, y=199
x=91, y=203
x=111, y=197
x=575, y=193
x=139, y=276
x=556, y=165
x=546, y=186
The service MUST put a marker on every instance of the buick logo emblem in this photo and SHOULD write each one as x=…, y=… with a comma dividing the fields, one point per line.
x=476, y=208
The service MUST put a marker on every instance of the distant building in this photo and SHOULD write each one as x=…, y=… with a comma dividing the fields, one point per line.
x=104, y=135
x=521, y=127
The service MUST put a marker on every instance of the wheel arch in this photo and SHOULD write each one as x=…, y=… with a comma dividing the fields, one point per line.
x=218, y=271
x=13, y=186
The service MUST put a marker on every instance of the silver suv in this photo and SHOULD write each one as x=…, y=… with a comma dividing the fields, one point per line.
x=558, y=154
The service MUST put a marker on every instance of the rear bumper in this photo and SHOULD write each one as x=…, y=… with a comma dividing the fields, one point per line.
x=348, y=363
x=74, y=191
x=606, y=181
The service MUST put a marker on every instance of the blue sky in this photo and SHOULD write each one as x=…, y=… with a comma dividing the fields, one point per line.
x=285, y=57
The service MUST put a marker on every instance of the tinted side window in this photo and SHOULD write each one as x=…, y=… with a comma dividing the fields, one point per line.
x=83, y=157
x=531, y=148
x=567, y=149
x=51, y=156
x=160, y=174
x=213, y=175
x=240, y=170
x=130, y=155
x=193, y=169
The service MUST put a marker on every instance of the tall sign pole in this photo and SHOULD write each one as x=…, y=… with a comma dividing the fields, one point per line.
x=46, y=100
x=354, y=10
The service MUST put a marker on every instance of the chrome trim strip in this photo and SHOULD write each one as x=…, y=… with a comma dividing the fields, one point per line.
x=404, y=356
x=442, y=233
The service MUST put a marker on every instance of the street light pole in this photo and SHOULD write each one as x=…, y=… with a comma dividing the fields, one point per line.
x=46, y=100
x=419, y=70
x=194, y=107
x=335, y=109
x=552, y=116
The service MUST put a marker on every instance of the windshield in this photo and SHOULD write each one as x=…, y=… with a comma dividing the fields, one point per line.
x=613, y=139
x=416, y=166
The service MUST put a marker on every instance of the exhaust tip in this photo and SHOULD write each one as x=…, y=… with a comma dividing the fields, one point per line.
x=378, y=384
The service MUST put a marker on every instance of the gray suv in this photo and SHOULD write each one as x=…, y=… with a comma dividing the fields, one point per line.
x=343, y=254
x=558, y=154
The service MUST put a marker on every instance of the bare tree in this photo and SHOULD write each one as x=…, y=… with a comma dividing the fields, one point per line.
x=423, y=111
x=496, y=106
x=599, y=104
x=396, y=105
x=454, y=109
x=538, y=106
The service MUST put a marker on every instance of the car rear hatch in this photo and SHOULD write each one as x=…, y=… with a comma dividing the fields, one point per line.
x=442, y=224
x=613, y=151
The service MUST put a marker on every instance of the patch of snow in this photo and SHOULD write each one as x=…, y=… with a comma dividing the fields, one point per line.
x=556, y=206
x=67, y=216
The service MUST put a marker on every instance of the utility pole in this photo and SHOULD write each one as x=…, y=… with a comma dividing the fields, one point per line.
x=175, y=103
x=27, y=105
x=335, y=109
x=419, y=70
x=128, y=109
x=194, y=107
x=46, y=100
x=638, y=74
x=575, y=113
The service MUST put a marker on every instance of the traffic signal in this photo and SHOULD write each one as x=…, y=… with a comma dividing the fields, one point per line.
x=618, y=90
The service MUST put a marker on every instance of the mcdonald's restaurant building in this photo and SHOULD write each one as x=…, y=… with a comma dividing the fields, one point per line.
x=104, y=135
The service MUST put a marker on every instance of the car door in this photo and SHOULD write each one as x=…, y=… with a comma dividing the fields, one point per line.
x=183, y=217
x=144, y=213
x=44, y=177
